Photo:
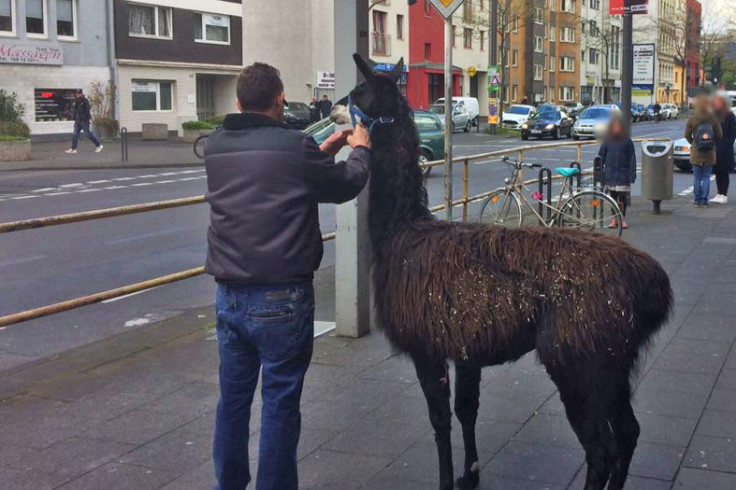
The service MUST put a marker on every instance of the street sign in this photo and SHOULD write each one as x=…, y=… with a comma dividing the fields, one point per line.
x=621, y=7
x=446, y=7
x=472, y=71
x=494, y=79
x=493, y=105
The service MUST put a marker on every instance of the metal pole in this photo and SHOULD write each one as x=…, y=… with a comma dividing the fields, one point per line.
x=494, y=45
x=448, y=119
x=627, y=67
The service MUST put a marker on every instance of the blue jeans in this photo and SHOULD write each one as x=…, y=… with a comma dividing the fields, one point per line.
x=268, y=327
x=78, y=128
x=701, y=185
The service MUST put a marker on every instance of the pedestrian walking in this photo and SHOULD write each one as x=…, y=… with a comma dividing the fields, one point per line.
x=325, y=107
x=264, y=184
x=82, y=118
x=703, y=132
x=314, y=111
x=618, y=157
x=724, y=148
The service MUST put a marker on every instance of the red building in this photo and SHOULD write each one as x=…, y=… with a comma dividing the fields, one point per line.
x=693, y=70
x=425, y=81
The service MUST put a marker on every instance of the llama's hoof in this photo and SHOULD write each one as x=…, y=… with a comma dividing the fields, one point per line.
x=470, y=479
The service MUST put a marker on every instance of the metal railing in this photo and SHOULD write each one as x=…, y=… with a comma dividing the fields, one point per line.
x=35, y=223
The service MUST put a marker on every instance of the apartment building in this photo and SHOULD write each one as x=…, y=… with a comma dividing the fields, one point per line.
x=471, y=50
x=176, y=60
x=600, y=55
x=388, y=23
x=48, y=50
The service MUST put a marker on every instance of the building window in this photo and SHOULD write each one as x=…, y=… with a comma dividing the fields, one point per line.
x=54, y=104
x=482, y=40
x=149, y=21
x=399, y=27
x=66, y=19
x=567, y=35
x=427, y=8
x=427, y=51
x=7, y=17
x=567, y=94
x=538, y=16
x=615, y=56
x=545, y=62
x=515, y=57
x=552, y=31
x=551, y=94
x=552, y=65
x=595, y=4
x=538, y=44
x=435, y=86
x=567, y=6
x=212, y=28
x=593, y=28
x=151, y=95
x=567, y=64
x=593, y=56
x=538, y=72
x=36, y=18
x=468, y=38
x=515, y=23
x=381, y=40
x=514, y=93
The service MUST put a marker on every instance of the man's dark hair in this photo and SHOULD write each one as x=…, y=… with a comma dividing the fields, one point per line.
x=258, y=86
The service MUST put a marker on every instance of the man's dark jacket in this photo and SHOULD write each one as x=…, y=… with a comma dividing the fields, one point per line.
x=82, y=114
x=325, y=107
x=264, y=183
x=724, y=148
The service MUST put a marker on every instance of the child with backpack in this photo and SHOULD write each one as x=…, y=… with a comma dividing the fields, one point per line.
x=703, y=131
x=618, y=156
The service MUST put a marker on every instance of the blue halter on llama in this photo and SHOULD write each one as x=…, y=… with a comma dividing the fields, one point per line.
x=482, y=295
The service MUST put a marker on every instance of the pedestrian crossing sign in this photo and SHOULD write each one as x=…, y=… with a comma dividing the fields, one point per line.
x=446, y=7
x=494, y=79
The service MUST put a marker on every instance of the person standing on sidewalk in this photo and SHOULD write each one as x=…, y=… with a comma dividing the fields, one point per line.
x=314, y=111
x=703, y=132
x=619, y=165
x=325, y=107
x=82, y=119
x=724, y=149
x=264, y=184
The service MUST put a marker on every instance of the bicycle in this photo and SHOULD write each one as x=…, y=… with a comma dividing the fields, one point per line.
x=199, y=144
x=589, y=209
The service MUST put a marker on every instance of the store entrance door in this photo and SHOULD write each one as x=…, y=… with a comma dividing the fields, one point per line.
x=205, y=97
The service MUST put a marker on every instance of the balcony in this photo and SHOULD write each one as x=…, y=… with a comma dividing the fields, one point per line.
x=380, y=44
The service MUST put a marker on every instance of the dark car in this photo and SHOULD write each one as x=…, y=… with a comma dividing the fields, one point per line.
x=296, y=115
x=547, y=122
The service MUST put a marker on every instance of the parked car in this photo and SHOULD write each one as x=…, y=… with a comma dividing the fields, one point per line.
x=681, y=153
x=471, y=105
x=549, y=122
x=296, y=115
x=574, y=109
x=642, y=110
x=636, y=113
x=431, y=136
x=460, y=116
x=670, y=111
x=593, y=122
x=516, y=115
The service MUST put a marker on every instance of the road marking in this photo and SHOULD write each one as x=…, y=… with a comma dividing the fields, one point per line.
x=45, y=189
x=141, y=184
x=88, y=190
x=123, y=179
x=167, y=174
x=57, y=193
x=93, y=182
x=23, y=197
x=114, y=187
x=76, y=184
x=164, y=181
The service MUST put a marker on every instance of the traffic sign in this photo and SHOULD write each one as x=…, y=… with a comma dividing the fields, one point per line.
x=472, y=70
x=446, y=7
x=494, y=79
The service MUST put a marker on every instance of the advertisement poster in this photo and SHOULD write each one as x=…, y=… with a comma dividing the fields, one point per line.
x=643, y=68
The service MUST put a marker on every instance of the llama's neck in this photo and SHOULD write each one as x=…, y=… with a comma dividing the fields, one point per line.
x=397, y=194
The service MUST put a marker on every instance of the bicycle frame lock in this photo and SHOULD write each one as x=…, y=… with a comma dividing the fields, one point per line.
x=545, y=180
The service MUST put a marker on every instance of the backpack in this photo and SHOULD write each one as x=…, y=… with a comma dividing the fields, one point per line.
x=704, y=137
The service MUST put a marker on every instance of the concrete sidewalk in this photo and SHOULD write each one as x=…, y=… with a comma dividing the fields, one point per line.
x=141, y=154
x=136, y=411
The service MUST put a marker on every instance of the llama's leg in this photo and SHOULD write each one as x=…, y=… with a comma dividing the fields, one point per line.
x=587, y=408
x=467, y=394
x=435, y=381
x=626, y=431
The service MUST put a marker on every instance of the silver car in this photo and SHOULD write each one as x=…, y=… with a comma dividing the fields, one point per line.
x=681, y=153
x=593, y=122
x=460, y=116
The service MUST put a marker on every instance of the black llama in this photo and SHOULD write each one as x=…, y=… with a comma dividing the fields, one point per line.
x=483, y=295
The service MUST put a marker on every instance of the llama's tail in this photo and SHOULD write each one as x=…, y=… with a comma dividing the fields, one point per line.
x=655, y=301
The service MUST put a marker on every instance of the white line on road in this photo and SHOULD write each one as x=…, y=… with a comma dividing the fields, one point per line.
x=141, y=184
x=57, y=193
x=114, y=187
x=23, y=197
x=93, y=182
x=75, y=184
x=45, y=189
x=88, y=190
x=165, y=181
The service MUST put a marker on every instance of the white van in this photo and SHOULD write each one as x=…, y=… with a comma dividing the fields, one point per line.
x=471, y=105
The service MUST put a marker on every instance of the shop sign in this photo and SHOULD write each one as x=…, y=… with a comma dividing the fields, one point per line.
x=30, y=54
x=144, y=87
x=621, y=7
x=326, y=79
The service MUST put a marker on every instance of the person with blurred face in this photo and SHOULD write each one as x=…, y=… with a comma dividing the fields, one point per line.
x=724, y=148
x=619, y=165
x=703, y=132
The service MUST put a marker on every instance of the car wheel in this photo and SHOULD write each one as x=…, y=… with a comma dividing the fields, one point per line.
x=424, y=158
x=525, y=137
x=576, y=137
x=467, y=127
x=569, y=133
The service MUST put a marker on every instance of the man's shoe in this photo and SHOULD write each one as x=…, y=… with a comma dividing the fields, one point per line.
x=70, y=150
x=99, y=149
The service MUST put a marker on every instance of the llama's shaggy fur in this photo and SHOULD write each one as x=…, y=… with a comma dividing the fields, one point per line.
x=483, y=295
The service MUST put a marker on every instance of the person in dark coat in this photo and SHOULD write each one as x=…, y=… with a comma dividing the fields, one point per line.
x=314, y=110
x=618, y=156
x=325, y=107
x=724, y=149
x=82, y=118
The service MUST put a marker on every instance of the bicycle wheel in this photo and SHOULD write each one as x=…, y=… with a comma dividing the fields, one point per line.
x=199, y=146
x=593, y=211
x=501, y=209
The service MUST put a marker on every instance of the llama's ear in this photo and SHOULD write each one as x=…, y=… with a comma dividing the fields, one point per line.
x=396, y=72
x=363, y=66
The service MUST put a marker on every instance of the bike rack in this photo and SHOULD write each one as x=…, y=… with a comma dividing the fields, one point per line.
x=598, y=171
x=542, y=172
x=579, y=177
x=124, y=144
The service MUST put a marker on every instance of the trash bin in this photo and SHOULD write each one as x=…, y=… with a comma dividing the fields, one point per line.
x=657, y=172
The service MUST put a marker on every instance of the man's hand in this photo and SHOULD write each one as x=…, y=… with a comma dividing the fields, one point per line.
x=360, y=137
x=336, y=141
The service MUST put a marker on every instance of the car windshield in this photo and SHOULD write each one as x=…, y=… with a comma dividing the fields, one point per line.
x=298, y=106
x=438, y=108
x=517, y=109
x=548, y=114
x=426, y=122
x=571, y=105
x=596, y=113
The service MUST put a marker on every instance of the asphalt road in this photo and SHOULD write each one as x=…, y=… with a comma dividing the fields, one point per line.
x=45, y=266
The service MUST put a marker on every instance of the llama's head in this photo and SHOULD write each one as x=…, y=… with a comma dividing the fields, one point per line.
x=378, y=96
